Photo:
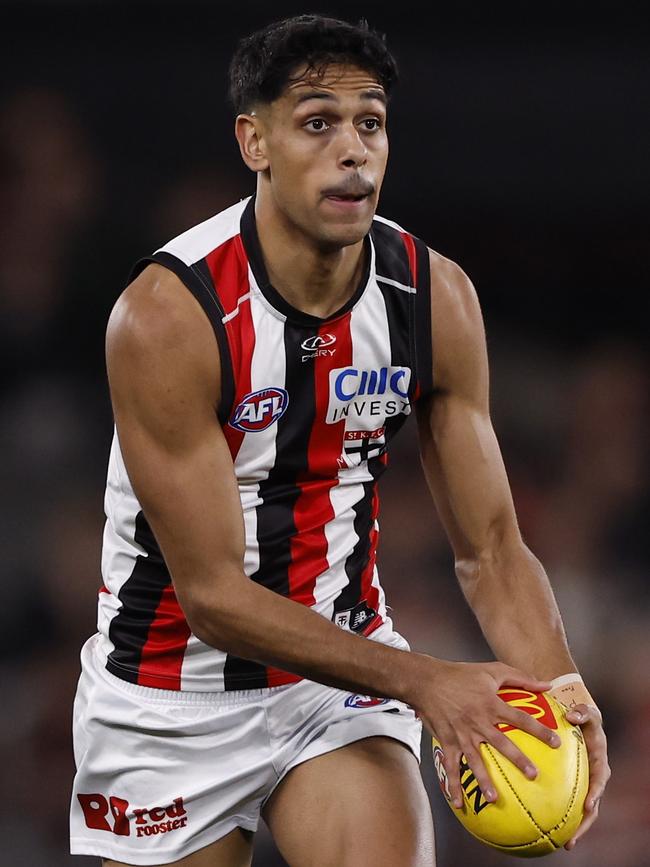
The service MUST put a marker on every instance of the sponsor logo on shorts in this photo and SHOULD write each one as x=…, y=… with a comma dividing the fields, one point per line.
x=260, y=409
x=115, y=815
x=363, y=701
x=318, y=346
x=368, y=396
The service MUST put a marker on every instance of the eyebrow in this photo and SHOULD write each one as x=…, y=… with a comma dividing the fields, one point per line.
x=319, y=94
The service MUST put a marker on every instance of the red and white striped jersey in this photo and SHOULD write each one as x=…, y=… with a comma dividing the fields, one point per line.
x=308, y=408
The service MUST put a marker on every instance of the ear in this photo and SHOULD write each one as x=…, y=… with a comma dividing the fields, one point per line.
x=249, y=135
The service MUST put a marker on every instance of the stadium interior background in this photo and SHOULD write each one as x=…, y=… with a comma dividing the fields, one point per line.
x=520, y=136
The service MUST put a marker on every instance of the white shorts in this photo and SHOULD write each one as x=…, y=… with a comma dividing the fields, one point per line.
x=162, y=774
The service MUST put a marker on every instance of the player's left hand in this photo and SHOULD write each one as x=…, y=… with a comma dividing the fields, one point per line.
x=591, y=722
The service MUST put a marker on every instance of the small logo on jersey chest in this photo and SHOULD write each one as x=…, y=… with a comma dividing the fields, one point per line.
x=259, y=410
x=318, y=345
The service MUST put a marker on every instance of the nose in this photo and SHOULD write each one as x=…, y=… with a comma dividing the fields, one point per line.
x=353, y=152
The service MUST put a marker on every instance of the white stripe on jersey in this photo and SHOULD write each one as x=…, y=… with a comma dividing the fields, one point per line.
x=119, y=549
x=198, y=241
x=397, y=285
x=235, y=312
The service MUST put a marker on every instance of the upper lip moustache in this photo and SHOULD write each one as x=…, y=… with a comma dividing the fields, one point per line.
x=354, y=187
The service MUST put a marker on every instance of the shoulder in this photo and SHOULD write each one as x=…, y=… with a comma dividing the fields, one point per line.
x=157, y=329
x=452, y=292
x=458, y=336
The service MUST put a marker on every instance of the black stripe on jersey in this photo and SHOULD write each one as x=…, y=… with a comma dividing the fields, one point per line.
x=350, y=595
x=391, y=258
x=280, y=491
x=422, y=330
x=198, y=280
x=392, y=262
x=140, y=596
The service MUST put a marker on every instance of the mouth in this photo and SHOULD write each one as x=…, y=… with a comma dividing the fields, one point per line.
x=352, y=192
x=346, y=197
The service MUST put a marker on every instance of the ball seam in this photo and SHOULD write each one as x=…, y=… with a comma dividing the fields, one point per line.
x=544, y=834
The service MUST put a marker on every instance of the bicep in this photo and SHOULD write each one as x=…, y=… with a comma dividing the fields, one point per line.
x=163, y=368
x=460, y=452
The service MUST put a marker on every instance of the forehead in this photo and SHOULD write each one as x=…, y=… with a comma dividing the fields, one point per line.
x=335, y=81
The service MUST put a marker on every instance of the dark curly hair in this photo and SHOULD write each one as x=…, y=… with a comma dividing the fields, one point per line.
x=264, y=61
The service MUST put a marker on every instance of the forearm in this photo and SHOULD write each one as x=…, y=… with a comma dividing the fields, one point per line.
x=510, y=594
x=255, y=623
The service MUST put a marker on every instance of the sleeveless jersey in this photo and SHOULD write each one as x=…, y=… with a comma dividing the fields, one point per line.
x=308, y=408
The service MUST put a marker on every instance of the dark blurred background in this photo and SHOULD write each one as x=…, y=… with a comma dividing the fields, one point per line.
x=520, y=141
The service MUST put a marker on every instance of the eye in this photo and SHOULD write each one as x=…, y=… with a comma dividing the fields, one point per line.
x=371, y=124
x=317, y=124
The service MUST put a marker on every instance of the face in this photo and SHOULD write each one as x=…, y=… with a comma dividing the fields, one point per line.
x=323, y=149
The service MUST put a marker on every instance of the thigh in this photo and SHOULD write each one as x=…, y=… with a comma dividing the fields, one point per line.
x=363, y=804
x=233, y=850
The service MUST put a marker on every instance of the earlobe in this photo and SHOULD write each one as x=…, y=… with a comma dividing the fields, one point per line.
x=251, y=142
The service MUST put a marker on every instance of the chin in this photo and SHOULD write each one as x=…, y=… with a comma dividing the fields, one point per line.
x=344, y=234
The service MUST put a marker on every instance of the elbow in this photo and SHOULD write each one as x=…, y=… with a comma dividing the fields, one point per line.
x=213, y=618
x=501, y=558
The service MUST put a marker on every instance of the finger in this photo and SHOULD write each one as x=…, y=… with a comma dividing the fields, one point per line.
x=451, y=761
x=599, y=774
x=584, y=714
x=512, y=752
x=509, y=676
x=585, y=825
x=475, y=762
x=529, y=724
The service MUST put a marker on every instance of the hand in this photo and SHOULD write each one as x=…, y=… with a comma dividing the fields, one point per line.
x=591, y=722
x=461, y=706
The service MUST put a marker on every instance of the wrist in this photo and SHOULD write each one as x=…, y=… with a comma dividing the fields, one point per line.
x=570, y=690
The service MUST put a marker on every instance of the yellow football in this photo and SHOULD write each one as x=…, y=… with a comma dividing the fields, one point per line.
x=529, y=817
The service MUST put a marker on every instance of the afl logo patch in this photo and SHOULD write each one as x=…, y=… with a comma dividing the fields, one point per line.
x=259, y=409
x=362, y=701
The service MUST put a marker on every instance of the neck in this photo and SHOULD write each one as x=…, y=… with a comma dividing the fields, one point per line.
x=313, y=280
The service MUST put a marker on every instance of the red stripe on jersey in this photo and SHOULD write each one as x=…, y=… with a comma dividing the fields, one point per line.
x=162, y=655
x=409, y=243
x=313, y=509
x=228, y=266
x=229, y=270
x=277, y=677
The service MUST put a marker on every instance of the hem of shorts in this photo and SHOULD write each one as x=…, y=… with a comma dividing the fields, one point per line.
x=85, y=846
x=364, y=729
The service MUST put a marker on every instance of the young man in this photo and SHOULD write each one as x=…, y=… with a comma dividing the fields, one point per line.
x=259, y=365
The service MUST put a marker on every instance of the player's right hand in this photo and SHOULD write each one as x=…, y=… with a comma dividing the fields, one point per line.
x=460, y=705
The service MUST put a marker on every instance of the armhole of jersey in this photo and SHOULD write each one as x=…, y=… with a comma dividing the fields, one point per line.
x=205, y=295
x=422, y=325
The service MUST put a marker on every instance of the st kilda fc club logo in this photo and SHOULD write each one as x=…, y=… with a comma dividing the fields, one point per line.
x=259, y=410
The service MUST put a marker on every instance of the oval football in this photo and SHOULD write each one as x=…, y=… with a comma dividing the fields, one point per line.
x=529, y=817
